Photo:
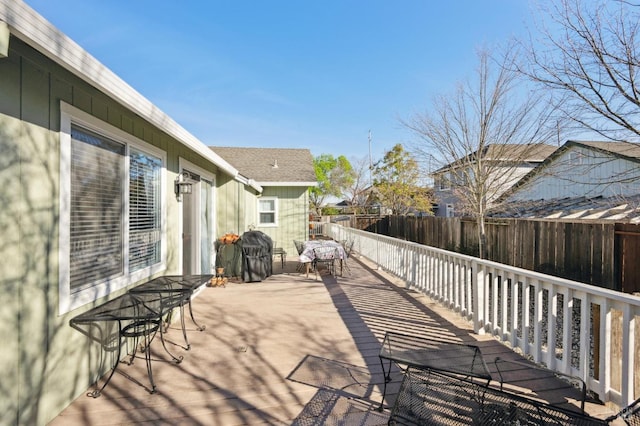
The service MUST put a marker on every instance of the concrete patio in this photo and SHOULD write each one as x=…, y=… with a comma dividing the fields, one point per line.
x=292, y=350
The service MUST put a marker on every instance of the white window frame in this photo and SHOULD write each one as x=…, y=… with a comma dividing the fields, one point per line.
x=68, y=300
x=576, y=158
x=444, y=182
x=275, y=212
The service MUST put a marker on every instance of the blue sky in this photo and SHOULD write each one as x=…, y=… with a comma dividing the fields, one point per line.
x=290, y=74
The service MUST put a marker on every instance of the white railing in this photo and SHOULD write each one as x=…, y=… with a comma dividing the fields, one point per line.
x=317, y=229
x=571, y=327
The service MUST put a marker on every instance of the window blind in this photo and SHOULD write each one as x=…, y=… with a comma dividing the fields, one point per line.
x=144, y=210
x=96, y=231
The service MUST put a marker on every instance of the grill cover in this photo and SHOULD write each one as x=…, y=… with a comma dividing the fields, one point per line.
x=257, y=255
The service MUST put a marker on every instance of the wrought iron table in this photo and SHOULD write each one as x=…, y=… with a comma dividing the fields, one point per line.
x=429, y=354
x=138, y=315
x=184, y=285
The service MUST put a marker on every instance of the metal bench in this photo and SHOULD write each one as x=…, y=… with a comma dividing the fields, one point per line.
x=430, y=354
x=630, y=414
x=427, y=397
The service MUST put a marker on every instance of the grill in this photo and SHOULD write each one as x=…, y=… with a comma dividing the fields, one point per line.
x=257, y=255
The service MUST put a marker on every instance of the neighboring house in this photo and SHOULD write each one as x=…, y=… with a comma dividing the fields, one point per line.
x=285, y=175
x=581, y=180
x=89, y=171
x=589, y=169
x=507, y=162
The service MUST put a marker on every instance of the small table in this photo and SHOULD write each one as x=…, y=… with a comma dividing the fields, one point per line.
x=137, y=316
x=428, y=354
x=182, y=285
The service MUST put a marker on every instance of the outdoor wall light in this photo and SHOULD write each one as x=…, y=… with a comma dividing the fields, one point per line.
x=182, y=186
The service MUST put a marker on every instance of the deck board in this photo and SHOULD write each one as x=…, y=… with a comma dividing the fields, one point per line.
x=289, y=350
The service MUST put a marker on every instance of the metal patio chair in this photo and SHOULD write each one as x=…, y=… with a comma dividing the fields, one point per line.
x=299, y=245
x=280, y=251
x=348, y=248
x=327, y=256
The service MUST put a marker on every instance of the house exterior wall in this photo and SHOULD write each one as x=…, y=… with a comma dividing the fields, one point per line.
x=231, y=207
x=502, y=179
x=45, y=362
x=293, y=216
x=582, y=172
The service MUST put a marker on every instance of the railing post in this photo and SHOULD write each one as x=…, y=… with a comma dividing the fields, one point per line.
x=478, y=302
x=377, y=252
x=628, y=356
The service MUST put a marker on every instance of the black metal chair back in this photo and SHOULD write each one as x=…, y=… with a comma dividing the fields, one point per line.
x=325, y=255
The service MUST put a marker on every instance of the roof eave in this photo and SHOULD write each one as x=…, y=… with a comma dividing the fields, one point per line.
x=303, y=184
x=26, y=24
x=249, y=182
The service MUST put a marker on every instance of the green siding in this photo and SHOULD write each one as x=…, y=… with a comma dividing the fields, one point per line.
x=293, y=216
x=45, y=362
x=10, y=86
x=230, y=206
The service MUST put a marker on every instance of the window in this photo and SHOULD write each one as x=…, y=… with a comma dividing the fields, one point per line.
x=111, y=232
x=267, y=211
x=443, y=182
x=144, y=210
x=96, y=226
x=575, y=158
x=450, y=212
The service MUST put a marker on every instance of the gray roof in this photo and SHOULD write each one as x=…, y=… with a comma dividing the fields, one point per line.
x=272, y=166
x=626, y=149
x=535, y=153
x=521, y=153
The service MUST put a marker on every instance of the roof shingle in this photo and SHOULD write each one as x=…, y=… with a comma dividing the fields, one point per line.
x=293, y=166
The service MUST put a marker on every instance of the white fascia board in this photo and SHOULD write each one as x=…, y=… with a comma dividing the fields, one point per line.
x=249, y=182
x=29, y=26
x=288, y=183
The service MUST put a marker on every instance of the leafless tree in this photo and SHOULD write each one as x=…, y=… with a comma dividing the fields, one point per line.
x=484, y=132
x=588, y=54
x=356, y=193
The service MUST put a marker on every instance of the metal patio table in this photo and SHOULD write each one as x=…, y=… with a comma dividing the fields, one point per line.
x=308, y=255
x=135, y=316
x=429, y=354
x=185, y=286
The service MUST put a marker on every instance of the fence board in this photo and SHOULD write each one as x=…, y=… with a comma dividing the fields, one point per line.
x=581, y=251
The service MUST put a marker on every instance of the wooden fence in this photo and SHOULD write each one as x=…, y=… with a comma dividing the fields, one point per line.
x=599, y=253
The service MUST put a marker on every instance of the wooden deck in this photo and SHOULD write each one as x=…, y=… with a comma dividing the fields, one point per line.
x=291, y=350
